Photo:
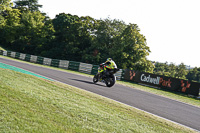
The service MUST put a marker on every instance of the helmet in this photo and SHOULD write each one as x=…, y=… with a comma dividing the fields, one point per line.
x=109, y=59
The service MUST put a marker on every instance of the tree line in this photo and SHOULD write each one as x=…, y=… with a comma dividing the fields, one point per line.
x=24, y=28
x=177, y=71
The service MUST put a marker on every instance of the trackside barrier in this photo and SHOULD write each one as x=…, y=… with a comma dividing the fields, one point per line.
x=85, y=68
x=27, y=57
x=122, y=74
x=118, y=74
x=13, y=54
x=5, y=53
x=17, y=55
x=63, y=64
x=22, y=56
x=33, y=59
x=9, y=53
x=164, y=82
x=40, y=60
x=73, y=65
x=55, y=62
x=94, y=69
x=47, y=61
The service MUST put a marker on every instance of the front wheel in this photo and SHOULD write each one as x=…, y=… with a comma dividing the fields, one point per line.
x=95, y=78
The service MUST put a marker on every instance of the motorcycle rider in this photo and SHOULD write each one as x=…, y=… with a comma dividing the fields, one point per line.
x=109, y=64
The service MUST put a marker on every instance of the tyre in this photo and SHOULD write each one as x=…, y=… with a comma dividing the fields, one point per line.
x=95, y=79
x=110, y=81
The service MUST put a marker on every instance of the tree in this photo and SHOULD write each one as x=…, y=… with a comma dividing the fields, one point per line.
x=165, y=69
x=159, y=68
x=144, y=65
x=66, y=26
x=25, y=5
x=106, y=41
x=172, y=70
x=74, y=36
x=194, y=74
x=87, y=36
x=9, y=23
x=181, y=71
x=132, y=48
x=30, y=35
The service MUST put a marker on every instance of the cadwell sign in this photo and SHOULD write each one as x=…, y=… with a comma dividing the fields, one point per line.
x=157, y=80
x=163, y=82
x=149, y=79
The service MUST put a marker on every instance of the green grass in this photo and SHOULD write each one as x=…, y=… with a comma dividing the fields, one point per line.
x=31, y=104
x=2, y=48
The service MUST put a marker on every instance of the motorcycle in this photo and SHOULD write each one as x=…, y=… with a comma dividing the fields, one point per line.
x=105, y=75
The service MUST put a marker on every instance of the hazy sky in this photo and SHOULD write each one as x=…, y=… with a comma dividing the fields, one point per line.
x=171, y=27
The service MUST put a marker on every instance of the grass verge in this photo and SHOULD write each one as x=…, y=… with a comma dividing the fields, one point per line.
x=31, y=104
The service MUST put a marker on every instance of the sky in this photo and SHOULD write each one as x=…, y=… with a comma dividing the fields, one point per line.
x=171, y=27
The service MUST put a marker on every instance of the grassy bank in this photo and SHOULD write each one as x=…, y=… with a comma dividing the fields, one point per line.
x=30, y=104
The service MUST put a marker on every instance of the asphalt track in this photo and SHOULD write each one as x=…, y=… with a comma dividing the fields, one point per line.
x=172, y=110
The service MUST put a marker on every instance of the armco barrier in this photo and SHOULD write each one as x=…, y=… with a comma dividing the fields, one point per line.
x=5, y=53
x=119, y=74
x=33, y=58
x=9, y=53
x=27, y=57
x=13, y=54
x=47, y=61
x=122, y=74
x=22, y=56
x=85, y=68
x=40, y=60
x=163, y=82
x=55, y=62
x=64, y=64
x=73, y=65
x=94, y=69
x=17, y=55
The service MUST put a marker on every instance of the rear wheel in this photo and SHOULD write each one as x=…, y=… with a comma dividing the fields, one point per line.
x=95, y=78
x=110, y=81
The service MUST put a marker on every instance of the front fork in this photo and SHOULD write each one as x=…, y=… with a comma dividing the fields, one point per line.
x=100, y=73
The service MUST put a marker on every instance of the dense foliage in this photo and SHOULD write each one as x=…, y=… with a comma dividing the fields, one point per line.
x=180, y=71
x=23, y=28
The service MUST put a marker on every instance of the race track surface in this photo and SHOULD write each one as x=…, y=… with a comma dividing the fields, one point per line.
x=178, y=112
